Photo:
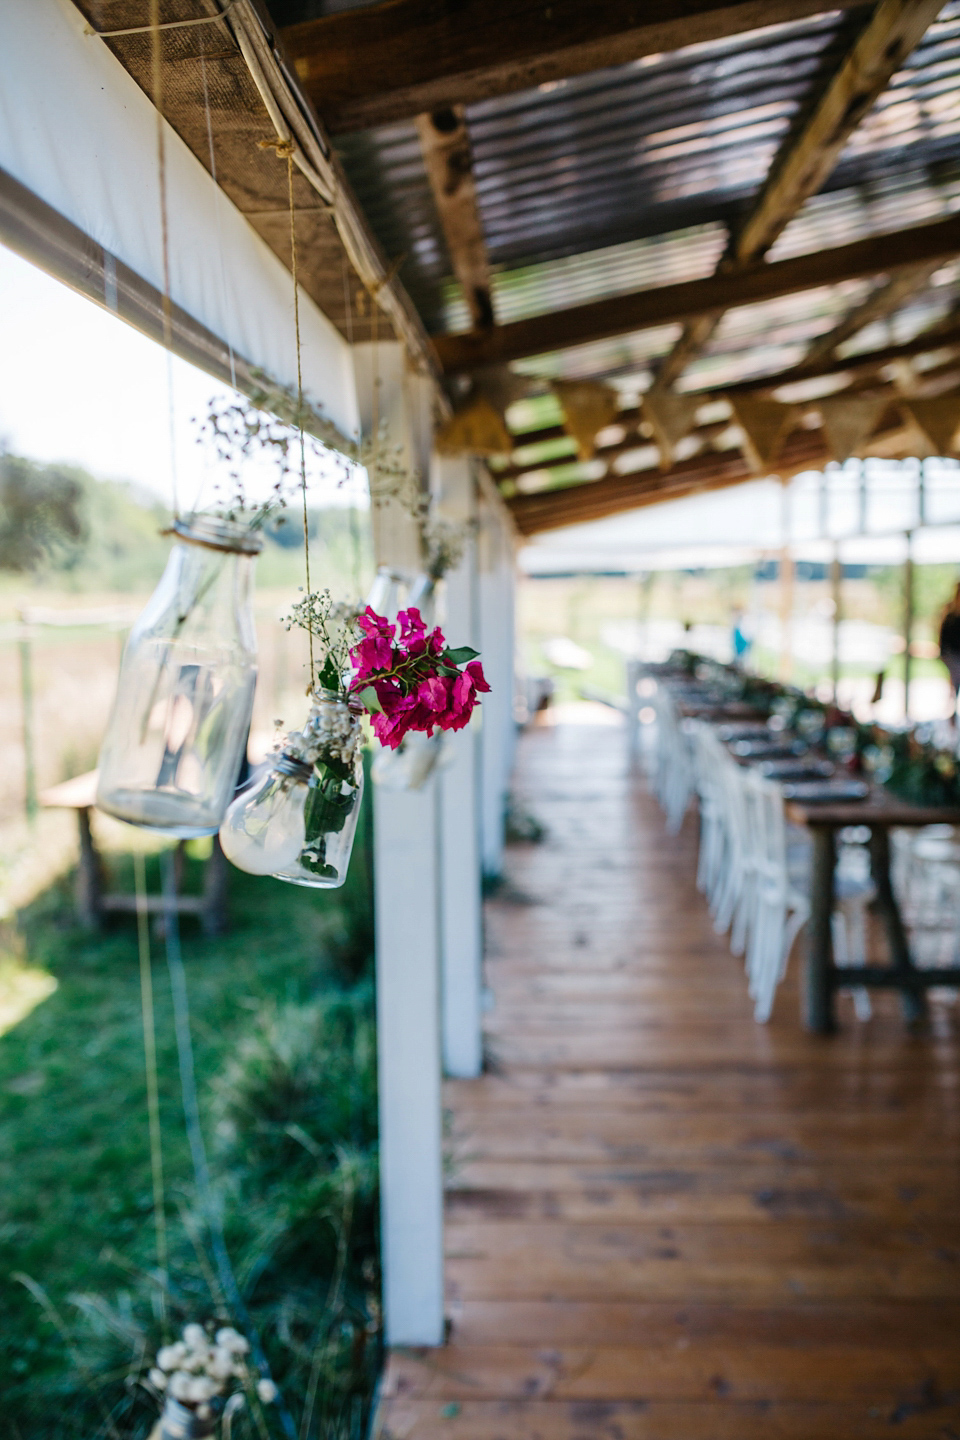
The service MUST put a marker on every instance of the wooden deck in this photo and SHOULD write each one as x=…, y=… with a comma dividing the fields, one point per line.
x=664, y=1220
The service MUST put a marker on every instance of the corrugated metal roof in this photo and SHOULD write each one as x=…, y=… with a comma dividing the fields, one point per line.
x=630, y=178
x=646, y=148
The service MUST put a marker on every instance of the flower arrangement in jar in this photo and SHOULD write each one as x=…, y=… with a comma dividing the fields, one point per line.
x=298, y=820
x=201, y=1379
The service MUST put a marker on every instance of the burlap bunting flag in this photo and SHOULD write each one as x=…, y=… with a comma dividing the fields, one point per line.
x=477, y=429
x=849, y=421
x=765, y=425
x=938, y=419
x=588, y=407
x=671, y=418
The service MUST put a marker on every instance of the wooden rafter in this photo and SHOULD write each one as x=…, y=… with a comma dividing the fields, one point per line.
x=576, y=504
x=388, y=62
x=884, y=300
x=810, y=152
x=646, y=309
x=445, y=144
x=941, y=337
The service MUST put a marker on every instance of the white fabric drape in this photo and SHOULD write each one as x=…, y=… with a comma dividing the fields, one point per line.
x=78, y=132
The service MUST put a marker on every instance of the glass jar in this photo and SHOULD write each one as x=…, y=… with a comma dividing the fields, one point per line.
x=410, y=766
x=177, y=733
x=423, y=597
x=384, y=595
x=333, y=736
x=181, y=1422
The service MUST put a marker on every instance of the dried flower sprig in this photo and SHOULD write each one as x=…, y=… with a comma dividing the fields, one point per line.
x=443, y=543
x=268, y=421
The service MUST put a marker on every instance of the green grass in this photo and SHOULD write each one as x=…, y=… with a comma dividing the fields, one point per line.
x=76, y=1209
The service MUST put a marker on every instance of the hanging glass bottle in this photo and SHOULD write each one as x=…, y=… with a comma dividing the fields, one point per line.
x=177, y=733
x=423, y=597
x=384, y=596
x=299, y=821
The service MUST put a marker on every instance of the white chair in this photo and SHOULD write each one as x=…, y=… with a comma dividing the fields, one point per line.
x=708, y=781
x=674, y=775
x=780, y=901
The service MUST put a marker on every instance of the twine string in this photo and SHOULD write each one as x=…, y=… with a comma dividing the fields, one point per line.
x=166, y=304
x=153, y=1088
x=198, y=1149
x=284, y=148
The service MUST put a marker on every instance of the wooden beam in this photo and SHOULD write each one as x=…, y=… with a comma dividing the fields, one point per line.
x=941, y=337
x=389, y=62
x=811, y=150
x=667, y=304
x=802, y=166
x=884, y=300
x=445, y=144
x=577, y=504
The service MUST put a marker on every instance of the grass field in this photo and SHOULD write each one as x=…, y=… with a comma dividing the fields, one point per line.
x=282, y=1027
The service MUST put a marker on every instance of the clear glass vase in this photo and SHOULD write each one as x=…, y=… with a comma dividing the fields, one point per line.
x=177, y=733
x=332, y=735
x=181, y=1422
x=385, y=594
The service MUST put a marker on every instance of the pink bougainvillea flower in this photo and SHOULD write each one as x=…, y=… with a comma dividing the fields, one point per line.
x=409, y=679
x=432, y=694
x=375, y=651
x=411, y=624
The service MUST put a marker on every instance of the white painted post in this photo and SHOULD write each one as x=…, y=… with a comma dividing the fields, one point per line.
x=496, y=605
x=460, y=869
x=406, y=886
x=408, y=1042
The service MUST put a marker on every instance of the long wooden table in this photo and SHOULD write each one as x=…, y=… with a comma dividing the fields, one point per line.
x=881, y=812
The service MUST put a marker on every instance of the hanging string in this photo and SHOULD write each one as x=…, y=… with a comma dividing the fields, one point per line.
x=167, y=308
x=198, y=1150
x=284, y=149
x=153, y=1089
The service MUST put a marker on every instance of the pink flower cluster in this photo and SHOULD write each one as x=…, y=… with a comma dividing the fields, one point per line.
x=412, y=680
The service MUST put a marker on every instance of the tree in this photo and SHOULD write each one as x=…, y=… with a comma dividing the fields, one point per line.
x=41, y=511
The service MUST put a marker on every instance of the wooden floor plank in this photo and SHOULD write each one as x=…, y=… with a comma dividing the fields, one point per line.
x=919, y=1415
x=701, y=1370
x=665, y=1222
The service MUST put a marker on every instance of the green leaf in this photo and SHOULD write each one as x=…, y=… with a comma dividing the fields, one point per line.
x=369, y=700
x=461, y=655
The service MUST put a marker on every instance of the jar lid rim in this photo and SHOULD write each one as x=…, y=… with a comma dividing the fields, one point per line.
x=215, y=533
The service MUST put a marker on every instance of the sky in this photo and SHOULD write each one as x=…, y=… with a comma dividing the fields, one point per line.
x=79, y=385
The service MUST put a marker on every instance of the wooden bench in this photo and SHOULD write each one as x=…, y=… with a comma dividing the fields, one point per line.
x=94, y=902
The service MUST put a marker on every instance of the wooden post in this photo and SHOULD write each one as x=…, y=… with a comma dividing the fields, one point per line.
x=408, y=1046
x=818, y=989
x=26, y=701
x=406, y=910
x=89, y=877
x=459, y=792
x=836, y=587
x=907, y=623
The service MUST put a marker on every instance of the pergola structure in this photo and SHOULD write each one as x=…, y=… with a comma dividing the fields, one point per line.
x=645, y=250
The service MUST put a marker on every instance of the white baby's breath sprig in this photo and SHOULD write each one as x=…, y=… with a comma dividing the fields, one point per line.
x=204, y=1367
